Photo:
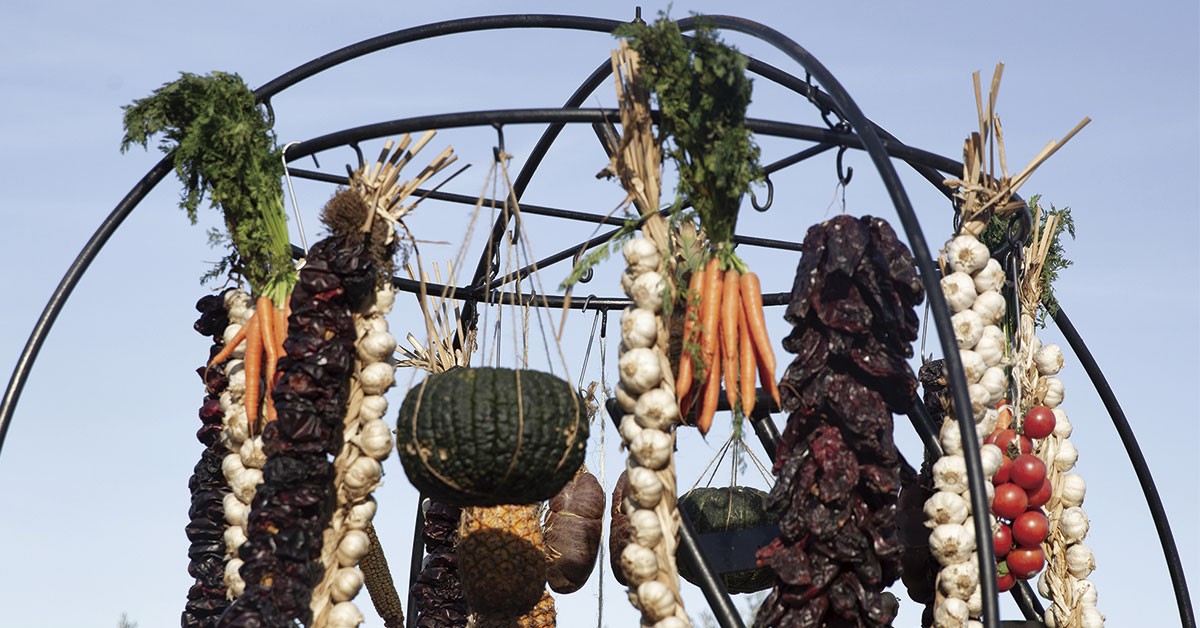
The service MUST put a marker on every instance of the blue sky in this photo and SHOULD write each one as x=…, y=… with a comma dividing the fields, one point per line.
x=94, y=470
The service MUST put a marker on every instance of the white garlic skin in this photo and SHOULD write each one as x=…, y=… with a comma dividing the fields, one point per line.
x=1073, y=524
x=640, y=370
x=975, y=605
x=967, y=254
x=959, y=291
x=360, y=514
x=951, y=613
x=945, y=507
x=951, y=438
x=980, y=400
x=1085, y=592
x=377, y=378
x=647, y=291
x=1066, y=456
x=656, y=409
x=994, y=381
x=1048, y=359
x=231, y=466
x=950, y=474
x=990, y=277
x=235, y=511
x=385, y=298
x=363, y=474
x=639, y=564
x=671, y=622
x=639, y=327
x=245, y=484
x=973, y=365
x=1091, y=618
x=252, y=454
x=1062, y=427
x=626, y=400
x=991, y=457
x=959, y=579
x=353, y=546
x=376, y=346
x=952, y=543
x=228, y=335
x=344, y=615
x=641, y=255
x=647, y=531
x=989, y=348
x=644, y=488
x=233, y=577
x=373, y=407
x=346, y=584
x=237, y=428
x=990, y=306
x=651, y=448
x=1054, y=392
x=234, y=537
x=1080, y=560
x=1073, y=489
x=968, y=328
x=658, y=602
x=629, y=428
x=375, y=439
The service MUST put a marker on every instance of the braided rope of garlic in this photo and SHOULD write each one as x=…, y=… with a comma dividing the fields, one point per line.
x=971, y=285
x=647, y=395
x=243, y=464
x=367, y=441
x=1068, y=560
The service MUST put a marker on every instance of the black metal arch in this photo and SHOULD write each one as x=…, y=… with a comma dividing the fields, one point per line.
x=865, y=136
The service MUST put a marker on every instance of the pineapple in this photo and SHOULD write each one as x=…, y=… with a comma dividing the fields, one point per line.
x=542, y=615
x=501, y=557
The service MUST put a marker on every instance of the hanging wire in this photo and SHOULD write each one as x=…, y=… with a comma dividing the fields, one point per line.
x=287, y=176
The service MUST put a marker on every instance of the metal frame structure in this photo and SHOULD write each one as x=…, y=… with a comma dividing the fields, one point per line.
x=851, y=130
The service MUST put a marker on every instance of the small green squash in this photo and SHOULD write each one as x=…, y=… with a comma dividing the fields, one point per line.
x=491, y=436
x=722, y=510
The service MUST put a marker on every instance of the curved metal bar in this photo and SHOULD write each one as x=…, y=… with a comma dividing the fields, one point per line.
x=67, y=284
x=941, y=313
x=1174, y=565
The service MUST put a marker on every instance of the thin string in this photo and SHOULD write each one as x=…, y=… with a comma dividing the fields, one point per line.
x=603, y=450
x=287, y=176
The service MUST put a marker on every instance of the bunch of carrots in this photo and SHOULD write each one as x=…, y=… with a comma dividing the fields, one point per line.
x=264, y=334
x=724, y=330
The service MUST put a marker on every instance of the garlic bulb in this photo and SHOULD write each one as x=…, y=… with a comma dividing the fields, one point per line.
x=385, y=298
x=990, y=306
x=234, y=537
x=994, y=381
x=647, y=531
x=231, y=466
x=233, y=577
x=1073, y=524
x=647, y=291
x=375, y=439
x=1062, y=427
x=951, y=438
x=671, y=622
x=959, y=291
x=361, y=514
x=1091, y=618
x=959, y=579
x=1043, y=585
x=1054, y=392
x=986, y=424
x=651, y=448
x=656, y=409
x=952, y=543
x=252, y=454
x=967, y=254
x=1048, y=359
x=363, y=474
x=376, y=346
x=991, y=457
x=989, y=494
x=1085, y=593
x=228, y=335
x=950, y=474
x=373, y=407
x=1073, y=489
x=625, y=400
x=945, y=507
x=639, y=564
x=641, y=255
x=994, y=332
x=968, y=328
x=1066, y=456
x=975, y=605
x=346, y=584
x=990, y=349
x=353, y=546
x=980, y=397
x=377, y=378
x=951, y=613
x=639, y=327
x=235, y=511
x=990, y=277
x=658, y=602
x=245, y=484
x=639, y=369
x=973, y=365
x=344, y=615
x=644, y=487
x=629, y=428
x=1080, y=560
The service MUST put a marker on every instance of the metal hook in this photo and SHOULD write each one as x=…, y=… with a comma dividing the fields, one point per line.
x=587, y=274
x=587, y=302
x=498, y=150
x=844, y=176
x=270, y=113
x=287, y=175
x=770, y=196
x=358, y=151
x=1022, y=220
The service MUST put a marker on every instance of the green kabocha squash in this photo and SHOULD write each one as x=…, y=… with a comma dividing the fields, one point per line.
x=722, y=510
x=491, y=436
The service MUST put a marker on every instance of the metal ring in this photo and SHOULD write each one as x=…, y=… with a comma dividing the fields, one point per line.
x=770, y=196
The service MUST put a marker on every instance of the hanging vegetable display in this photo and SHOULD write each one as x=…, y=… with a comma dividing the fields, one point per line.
x=729, y=509
x=572, y=532
x=837, y=467
x=206, y=528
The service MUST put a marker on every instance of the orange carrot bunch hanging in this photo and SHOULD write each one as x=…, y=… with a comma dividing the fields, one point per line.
x=725, y=336
x=263, y=334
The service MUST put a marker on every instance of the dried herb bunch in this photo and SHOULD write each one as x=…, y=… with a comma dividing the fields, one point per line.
x=838, y=469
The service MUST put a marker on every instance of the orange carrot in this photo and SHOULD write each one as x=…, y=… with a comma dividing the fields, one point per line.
x=752, y=302
x=683, y=383
x=730, y=304
x=253, y=366
x=266, y=320
x=710, y=308
x=746, y=355
x=712, y=393
x=227, y=350
x=281, y=325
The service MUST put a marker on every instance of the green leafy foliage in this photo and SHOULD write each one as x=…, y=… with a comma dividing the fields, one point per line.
x=223, y=147
x=996, y=233
x=703, y=92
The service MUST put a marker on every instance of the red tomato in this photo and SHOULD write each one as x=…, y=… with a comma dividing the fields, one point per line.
x=1003, y=473
x=1030, y=528
x=1025, y=562
x=1028, y=471
x=1010, y=501
x=1039, y=496
x=1002, y=538
x=1005, y=582
x=1007, y=437
x=1039, y=422
x=991, y=438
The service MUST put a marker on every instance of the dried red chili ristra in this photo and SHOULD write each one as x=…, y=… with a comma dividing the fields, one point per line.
x=437, y=592
x=838, y=468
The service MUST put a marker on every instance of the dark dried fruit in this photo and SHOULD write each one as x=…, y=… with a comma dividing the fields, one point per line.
x=437, y=592
x=837, y=466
